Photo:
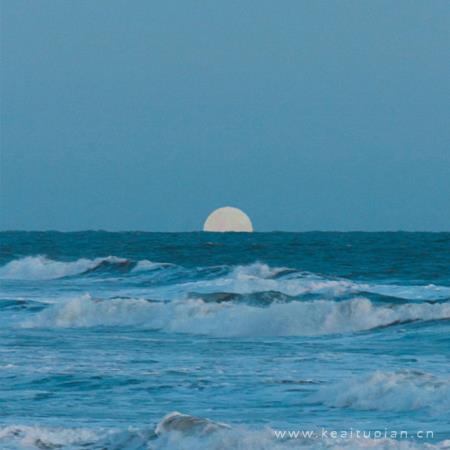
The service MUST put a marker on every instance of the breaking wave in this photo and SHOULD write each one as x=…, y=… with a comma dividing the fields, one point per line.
x=185, y=432
x=17, y=437
x=405, y=390
x=42, y=268
x=241, y=279
x=195, y=316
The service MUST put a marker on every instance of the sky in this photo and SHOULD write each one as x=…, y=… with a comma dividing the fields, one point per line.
x=308, y=115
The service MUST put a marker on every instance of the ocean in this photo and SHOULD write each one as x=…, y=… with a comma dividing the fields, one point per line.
x=196, y=341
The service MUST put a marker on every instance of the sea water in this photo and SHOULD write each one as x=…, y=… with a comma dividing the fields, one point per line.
x=224, y=341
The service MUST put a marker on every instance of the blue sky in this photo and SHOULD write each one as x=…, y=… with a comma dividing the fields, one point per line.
x=308, y=115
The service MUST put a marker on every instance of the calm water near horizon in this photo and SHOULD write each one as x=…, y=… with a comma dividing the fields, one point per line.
x=104, y=336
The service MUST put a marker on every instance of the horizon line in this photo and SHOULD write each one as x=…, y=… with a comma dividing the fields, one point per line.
x=102, y=230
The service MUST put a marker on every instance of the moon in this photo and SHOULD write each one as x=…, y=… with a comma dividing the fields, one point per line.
x=228, y=219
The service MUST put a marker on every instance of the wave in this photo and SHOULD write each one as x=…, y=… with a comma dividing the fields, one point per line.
x=185, y=432
x=195, y=316
x=35, y=437
x=414, y=292
x=259, y=277
x=405, y=390
x=170, y=281
x=12, y=304
x=178, y=422
x=256, y=298
x=42, y=268
x=145, y=265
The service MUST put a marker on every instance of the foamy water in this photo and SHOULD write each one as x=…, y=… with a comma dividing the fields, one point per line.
x=204, y=341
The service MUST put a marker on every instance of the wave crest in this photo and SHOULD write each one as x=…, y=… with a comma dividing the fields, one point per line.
x=174, y=281
x=389, y=391
x=43, y=268
x=189, y=433
x=194, y=316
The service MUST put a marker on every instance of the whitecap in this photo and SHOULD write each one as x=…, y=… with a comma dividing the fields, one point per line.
x=42, y=268
x=190, y=435
x=194, y=316
x=404, y=390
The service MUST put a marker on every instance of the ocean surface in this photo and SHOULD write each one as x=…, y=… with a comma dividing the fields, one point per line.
x=224, y=341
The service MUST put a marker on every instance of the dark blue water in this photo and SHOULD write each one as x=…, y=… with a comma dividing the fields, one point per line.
x=105, y=335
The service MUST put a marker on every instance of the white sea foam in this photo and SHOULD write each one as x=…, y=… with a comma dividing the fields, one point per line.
x=146, y=265
x=230, y=319
x=14, y=437
x=202, y=434
x=414, y=292
x=43, y=268
x=178, y=422
x=404, y=390
x=259, y=277
x=190, y=436
x=243, y=279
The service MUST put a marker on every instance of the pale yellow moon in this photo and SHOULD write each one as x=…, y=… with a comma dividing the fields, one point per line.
x=228, y=219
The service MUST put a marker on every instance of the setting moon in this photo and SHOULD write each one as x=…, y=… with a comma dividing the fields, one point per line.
x=228, y=219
